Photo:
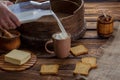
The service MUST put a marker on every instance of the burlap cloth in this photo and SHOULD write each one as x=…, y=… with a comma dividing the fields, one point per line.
x=108, y=59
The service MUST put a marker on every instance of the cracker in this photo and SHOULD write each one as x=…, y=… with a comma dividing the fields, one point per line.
x=82, y=68
x=91, y=60
x=78, y=50
x=49, y=69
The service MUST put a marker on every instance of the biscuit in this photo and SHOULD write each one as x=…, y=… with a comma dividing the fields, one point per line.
x=91, y=60
x=49, y=69
x=82, y=68
x=78, y=50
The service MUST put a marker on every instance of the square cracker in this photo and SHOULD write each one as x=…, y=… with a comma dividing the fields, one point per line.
x=82, y=68
x=91, y=60
x=78, y=50
x=49, y=69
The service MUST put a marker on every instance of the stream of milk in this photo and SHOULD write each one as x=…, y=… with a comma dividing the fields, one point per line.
x=64, y=34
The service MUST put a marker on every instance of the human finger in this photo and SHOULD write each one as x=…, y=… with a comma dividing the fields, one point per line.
x=15, y=19
x=11, y=24
x=8, y=3
x=4, y=24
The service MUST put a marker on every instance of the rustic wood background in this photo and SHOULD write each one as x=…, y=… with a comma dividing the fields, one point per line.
x=108, y=68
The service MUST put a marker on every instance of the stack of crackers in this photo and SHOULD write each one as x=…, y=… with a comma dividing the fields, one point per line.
x=86, y=63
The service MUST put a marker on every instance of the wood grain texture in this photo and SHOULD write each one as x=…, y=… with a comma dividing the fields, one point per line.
x=91, y=11
x=90, y=40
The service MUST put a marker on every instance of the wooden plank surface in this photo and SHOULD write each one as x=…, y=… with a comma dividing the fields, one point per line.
x=91, y=10
x=90, y=40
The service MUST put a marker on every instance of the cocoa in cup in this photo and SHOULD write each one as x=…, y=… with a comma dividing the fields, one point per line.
x=61, y=45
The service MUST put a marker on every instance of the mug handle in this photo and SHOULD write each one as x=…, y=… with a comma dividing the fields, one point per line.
x=48, y=42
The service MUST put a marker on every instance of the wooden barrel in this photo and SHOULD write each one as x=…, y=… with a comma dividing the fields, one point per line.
x=70, y=13
x=105, y=26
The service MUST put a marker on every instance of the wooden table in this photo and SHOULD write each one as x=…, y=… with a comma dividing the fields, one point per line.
x=90, y=40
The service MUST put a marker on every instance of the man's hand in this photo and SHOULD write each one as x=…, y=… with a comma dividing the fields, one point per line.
x=7, y=3
x=7, y=19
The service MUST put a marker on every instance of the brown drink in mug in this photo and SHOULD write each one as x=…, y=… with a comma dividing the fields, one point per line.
x=61, y=45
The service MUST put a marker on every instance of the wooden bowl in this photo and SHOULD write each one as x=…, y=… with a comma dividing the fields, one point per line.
x=10, y=43
x=70, y=13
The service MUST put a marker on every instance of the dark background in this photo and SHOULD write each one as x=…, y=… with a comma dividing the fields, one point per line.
x=102, y=0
